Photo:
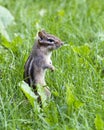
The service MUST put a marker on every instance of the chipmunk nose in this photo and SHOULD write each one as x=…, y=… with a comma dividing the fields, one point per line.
x=62, y=43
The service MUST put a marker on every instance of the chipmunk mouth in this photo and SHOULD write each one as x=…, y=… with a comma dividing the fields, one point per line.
x=62, y=43
x=58, y=46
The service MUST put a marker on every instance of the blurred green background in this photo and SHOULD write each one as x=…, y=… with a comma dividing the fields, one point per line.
x=77, y=85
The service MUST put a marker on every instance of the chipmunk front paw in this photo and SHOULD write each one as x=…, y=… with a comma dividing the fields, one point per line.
x=47, y=92
x=52, y=68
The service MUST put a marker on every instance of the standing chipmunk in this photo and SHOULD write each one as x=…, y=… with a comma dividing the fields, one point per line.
x=39, y=60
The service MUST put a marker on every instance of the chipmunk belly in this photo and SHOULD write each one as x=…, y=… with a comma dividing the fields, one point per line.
x=47, y=58
x=40, y=78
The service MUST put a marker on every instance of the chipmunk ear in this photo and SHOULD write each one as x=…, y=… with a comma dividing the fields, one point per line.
x=43, y=31
x=42, y=34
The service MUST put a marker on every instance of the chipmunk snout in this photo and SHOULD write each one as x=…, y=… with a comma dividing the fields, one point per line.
x=62, y=43
x=59, y=45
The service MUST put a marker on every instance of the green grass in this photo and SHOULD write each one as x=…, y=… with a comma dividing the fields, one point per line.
x=77, y=85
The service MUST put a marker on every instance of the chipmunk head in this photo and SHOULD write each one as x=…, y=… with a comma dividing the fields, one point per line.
x=49, y=40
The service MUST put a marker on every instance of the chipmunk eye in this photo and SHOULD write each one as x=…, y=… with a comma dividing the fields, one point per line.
x=50, y=40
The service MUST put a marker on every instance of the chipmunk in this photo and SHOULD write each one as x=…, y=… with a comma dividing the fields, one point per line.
x=40, y=60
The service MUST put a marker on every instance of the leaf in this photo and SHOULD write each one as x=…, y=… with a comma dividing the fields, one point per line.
x=6, y=19
x=78, y=104
x=5, y=16
x=51, y=111
x=61, y=13
x=30, y=95
x=82, y=50
x=55, y=93
x=41, y=92
x=3, y=31
x=71, y=99
x=14, y=45
x=99, y=123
